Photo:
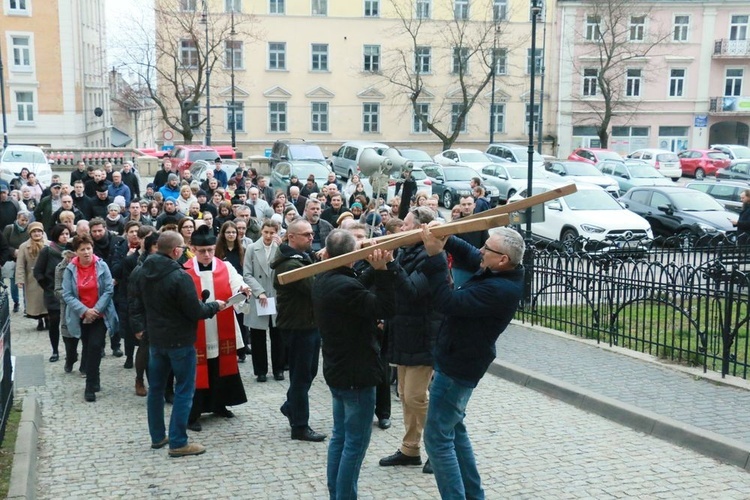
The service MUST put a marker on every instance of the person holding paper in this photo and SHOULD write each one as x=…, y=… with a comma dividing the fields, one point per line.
x=258, y=275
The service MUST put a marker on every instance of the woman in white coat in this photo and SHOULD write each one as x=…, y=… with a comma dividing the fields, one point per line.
x=258, y=275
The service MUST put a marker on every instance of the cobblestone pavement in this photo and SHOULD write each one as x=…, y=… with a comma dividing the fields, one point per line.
x=527, y=446
x=661, y=389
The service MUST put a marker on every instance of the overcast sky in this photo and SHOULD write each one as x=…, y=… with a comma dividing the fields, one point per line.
x=121, y=17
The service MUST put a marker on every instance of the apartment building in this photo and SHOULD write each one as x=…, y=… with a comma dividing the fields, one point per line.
x=55, y=77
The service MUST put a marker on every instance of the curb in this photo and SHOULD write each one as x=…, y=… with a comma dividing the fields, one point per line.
x=687, y=436
x=23, y=474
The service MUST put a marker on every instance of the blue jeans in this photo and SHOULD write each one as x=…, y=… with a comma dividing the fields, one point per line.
x=181, y=360
x=447, y=442
x=304, y=352
x=352, y=427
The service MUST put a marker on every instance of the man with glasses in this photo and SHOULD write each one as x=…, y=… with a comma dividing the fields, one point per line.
x=48, y=206
x=66, y=202
x=297, y=326
x=475, y=238
x=475, y=315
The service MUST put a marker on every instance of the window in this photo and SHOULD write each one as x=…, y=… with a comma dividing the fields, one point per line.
x=422, y=60
x=371, y=117
x=590, y=81
x=460, y=60
x=501, y=61
x=193, y=112
x=423, y=109
x=676, y=82
x=319, y=57
x=423, y=9
x=276, y=55
x=681, y=25
x=25, y=104
x=19, y=6
x=538, y=59
x=529, y=117
x=276, y=7
x=277, y=116
x=239, y=116
x=499, y=10
x=637, y=28
x=733, y=82
x=234, y=5
x=372, y=58
x=738, y=27
x=188, y=54
x=456, y=110
x=461, y=9
x=21, y=53
x=592, y=30
x=319, y=7
x=633, y=82
x=319, y=117
x=372, y=8
x=233, y=54
x=187, y=5
x=497, y=117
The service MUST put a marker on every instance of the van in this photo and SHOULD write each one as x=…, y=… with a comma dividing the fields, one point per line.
x=345, y=161
x=14, y=158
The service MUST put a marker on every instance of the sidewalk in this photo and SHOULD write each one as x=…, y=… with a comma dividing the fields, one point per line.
x=528, y=445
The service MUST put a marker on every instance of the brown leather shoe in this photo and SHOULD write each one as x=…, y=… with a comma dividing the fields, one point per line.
x=140, y=389
x=190, y=449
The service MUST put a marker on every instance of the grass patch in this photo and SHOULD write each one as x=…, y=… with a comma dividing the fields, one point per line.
x=8, y=448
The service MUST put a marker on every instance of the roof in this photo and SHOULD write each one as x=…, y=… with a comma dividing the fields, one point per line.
x=119, y=138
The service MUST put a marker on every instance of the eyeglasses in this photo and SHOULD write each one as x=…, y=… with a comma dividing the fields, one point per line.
x=204, y=250
x=485, y=247
x=306, y=235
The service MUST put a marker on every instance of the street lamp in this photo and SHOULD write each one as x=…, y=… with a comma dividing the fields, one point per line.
x=232, y=33
x=204, y=20
x=2, y=102
x=536, y=9
x=540, y=128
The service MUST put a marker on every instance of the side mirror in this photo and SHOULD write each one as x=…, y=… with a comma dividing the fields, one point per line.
x=667, y=209
x=283, y=158
x=440, y=178
x=335, y=153
x=501, y=175
x=625, y=176
x=554, y=205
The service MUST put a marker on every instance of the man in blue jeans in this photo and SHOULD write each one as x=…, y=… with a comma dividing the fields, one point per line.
x=347, y=311
x=475, y=315
x=168, y=309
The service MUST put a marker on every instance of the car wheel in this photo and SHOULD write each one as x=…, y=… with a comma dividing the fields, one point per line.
x=510, y=195
x=687, y=239
x=447, y=200
x=699, y=174
x=568, y=239
x=675, y=179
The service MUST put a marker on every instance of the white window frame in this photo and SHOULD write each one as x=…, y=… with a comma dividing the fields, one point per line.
x=319, y=7
x=738, y=30
x=677, y=83
x=423, y=9
x=498, y=116
x=461, y=10
x=319, y=57
x=738, y=81
x=501, y=60
x=25, y=107
x=527, y=115
x=277, y=56
x=235, y=53
x=460, y=57
x=26, y=52
x=422, y=58
x=18, y=7
x=319, y=117
x=456, y=108
x=499, y=10
x=188, y=5
x=591, y=30
x=637, y=30
x=590, y=82
x=194, y=116
x=636, y=88
x=277, y=7
x=417, y=127
x=239, y=112
x=278, y=122
x=371, y=8
x=371, y=58
x=188, y=54
x=233, y=6
x=370, y=117
x=537, y=60
x=680, y=31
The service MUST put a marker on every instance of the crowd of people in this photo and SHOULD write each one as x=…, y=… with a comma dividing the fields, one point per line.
x=184, y=276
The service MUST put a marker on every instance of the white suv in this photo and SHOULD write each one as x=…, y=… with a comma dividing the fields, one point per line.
x=14, y=158
x=664, y=160
x=345, y=160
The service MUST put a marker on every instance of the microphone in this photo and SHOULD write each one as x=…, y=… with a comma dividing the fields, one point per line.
x=205, y=294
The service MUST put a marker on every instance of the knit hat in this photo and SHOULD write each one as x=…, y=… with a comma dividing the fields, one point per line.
x=203, y=237
x=102, y=187
x=119, y=201
x=151, y=185
x=373, y=219
x=172, y=177
x=201, y=193
x=35, y=225
x=356, y=204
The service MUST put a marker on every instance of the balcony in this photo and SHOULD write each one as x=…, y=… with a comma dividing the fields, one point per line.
x=729, y=106
x=731, y=49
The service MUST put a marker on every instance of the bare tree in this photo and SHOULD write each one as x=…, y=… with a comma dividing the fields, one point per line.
x=467, y=44
x=619, y=35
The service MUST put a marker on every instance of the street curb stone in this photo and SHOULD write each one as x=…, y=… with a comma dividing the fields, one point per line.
x=695, y=438
x=23, y=474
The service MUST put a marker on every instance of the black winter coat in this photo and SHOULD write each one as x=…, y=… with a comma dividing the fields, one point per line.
x=44, y=273
x=347, y=313
x=294, y=303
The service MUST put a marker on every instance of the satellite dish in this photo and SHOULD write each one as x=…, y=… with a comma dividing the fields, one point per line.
x=98, y=112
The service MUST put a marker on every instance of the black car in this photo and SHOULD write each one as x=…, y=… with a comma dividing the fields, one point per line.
x=679, y=211
x=739, y=171
x=451, y=183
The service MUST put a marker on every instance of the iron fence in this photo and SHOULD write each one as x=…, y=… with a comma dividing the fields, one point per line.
x=6, y=374
x=685, y=300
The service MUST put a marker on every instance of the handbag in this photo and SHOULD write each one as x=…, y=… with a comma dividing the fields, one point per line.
x=9, y=270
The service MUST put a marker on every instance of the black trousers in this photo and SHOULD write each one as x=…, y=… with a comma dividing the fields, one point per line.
x=53, y=319
x=93, y=336
x=260, y=350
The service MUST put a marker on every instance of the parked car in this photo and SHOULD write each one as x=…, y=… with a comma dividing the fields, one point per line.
x=510, y=178
x=345, y=161
x=674, y=210
x=292, y=151
x=424, y=183
x=590, y=213
x=199, y=168
x=16, y=157
x=737, y=171
x=699, y=163
x=451, y=183
x=472, y=158
x=514, y=153
x=417, y=156
x=184, y=155
x=284, y=170
x=594, y=155
x=725, y=192
x=733, y=151
x=578, y=171
x=632, y=173
x=663, y=160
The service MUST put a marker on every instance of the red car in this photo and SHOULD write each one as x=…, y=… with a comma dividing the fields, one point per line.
x=184, y=155
x=699, y=163
x=593, y=155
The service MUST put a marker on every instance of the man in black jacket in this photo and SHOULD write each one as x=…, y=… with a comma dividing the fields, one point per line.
x=170, y=309
x=112, y=249
x=347, y=313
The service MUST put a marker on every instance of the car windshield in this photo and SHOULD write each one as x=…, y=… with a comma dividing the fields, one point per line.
x=591, y=199
x=203, y=155
x=717, y=156
x=24, y=157
x=517, y=172
x=644, y=172
x=416, y=155
x=581, y=168
x=475, y=158
x=306, y=152
x=303, y=171
x=459, y=174
x=608, y=155
x=741, y=152
x=523, y=155
x=695, y=202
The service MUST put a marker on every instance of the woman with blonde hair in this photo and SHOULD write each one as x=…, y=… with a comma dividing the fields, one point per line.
x=28, y=253
x=185, y=199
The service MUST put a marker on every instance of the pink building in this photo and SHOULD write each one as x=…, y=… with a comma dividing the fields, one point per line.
x=680, y=75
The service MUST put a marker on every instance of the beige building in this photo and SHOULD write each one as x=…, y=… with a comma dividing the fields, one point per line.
x=330, y=71
x=54, y=58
